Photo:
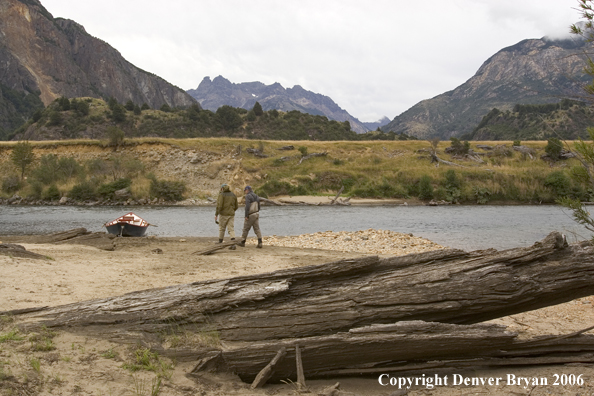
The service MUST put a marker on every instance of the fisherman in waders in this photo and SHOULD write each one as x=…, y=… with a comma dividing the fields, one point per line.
x=252, y=216
x=226, y=207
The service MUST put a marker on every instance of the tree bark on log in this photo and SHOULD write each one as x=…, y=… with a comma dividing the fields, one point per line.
x=13, y=250
x=404, y=346
x=449, y=286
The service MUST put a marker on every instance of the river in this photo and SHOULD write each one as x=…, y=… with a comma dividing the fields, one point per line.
x=464, y=227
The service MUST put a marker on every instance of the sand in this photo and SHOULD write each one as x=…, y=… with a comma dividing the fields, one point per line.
x=79, y=365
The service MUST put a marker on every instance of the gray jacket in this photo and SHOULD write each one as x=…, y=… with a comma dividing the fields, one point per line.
x=249, y=199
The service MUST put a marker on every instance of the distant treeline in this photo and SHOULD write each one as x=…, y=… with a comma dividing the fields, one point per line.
x=567, y=119
x=91, y=118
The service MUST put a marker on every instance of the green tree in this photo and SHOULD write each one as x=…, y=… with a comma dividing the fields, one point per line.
x=258, y=109
x=129, y=105
x=115, y=136
x=22, y=156
x=229, y=117
x=583, y=149
x=425, y=188
x=554, y=148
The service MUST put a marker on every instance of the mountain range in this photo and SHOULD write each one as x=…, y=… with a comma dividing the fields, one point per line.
x=43, y=58
x=535, y=71
x=212, y=94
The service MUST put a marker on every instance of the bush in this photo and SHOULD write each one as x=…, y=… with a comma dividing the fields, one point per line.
x=83, y=191
x=11, y=184
x=36, y=190
x=425, y=188
x=51, y=194
x=115, y=136
x=559, y=183
x=554, y=148
x=108, y=190
x=459, y=148
x=167, y=189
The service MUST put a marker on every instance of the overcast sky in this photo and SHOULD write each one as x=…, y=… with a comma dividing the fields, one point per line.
x=373, y=58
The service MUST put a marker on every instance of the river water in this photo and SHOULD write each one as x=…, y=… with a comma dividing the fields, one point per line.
x=464, y=227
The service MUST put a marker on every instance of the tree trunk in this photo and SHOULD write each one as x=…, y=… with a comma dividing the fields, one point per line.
x=405, y=346
x=449, y=286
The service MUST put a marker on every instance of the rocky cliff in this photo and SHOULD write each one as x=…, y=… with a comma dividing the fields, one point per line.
x=51, y=57
x=212, y=94
x=531, y=72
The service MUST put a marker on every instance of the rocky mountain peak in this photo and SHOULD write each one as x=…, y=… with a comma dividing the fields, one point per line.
x=533, y=71
x=219, y=92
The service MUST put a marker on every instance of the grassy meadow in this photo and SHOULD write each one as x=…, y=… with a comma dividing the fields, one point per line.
x=369, y=169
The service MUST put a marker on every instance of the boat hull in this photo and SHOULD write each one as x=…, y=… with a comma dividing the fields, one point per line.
x=124, y=229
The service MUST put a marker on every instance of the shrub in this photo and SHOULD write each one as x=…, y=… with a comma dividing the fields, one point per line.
x=303, y=150
x=51, y=194
x=115, y=136
x=516, y=143
x=425, y=188
x=168, y=190
x=83, y=191
x=457, y=147
x=559, y=183
x=11, y=184
x=108, y=190
x=553, y=148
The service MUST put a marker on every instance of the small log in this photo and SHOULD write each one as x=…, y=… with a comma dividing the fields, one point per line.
x=213, y=249
x=299, y=363
x=267, y=372
x=291, y=147
x=524, y=150
x=334, y=390
x=271, y=202
x=61, y=236
x=13, y=250
x=100, y=240
x=256, y=152
x=308, y=156
x=337, y=195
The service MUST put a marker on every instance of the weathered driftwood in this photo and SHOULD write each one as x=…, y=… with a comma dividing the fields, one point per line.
x=61, y=236
x=449, y=286
x=271, y=202
x=100, y=240
x=13, y=250
x=405, y=346
x=530, y=152
x=333, y=201
x=213, y=249
x=312, y=155
x=267, y=372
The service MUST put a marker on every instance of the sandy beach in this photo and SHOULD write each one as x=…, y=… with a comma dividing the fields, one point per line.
x=77, y=364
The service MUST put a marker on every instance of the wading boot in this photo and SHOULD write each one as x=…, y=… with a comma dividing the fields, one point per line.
x=259, y=243
x=232, y=247
x=220, y=241
x=242, y=243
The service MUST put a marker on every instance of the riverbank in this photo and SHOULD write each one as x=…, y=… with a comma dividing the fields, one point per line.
x=63, y=363
x=191, y=171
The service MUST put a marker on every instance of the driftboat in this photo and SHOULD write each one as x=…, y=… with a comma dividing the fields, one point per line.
x=127, y=225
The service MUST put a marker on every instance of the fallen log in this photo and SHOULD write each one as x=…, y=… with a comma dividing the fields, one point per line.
x=61, y=236
x=333, y=201
x=404, y=346
x=312, y=155
x=449, y=286
x=213, y=249
x=13, y=250
x=100, y=240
